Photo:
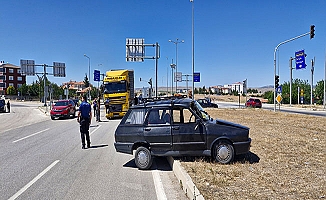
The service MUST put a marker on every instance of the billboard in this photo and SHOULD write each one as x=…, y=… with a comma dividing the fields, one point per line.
x=27, y=67
x=59, y=69
x=135, y=50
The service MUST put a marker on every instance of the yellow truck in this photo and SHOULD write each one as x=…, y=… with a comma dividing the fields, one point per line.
x=118, y=92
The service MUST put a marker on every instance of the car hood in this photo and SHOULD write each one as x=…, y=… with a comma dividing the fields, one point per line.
x=227, y=123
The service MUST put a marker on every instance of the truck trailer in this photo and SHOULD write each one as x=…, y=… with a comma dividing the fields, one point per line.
x=118, y=92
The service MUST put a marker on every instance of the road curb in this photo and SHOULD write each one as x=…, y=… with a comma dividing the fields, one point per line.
x=185, y=180
x=43, y=109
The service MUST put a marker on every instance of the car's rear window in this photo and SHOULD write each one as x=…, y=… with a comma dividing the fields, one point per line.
x=257, y=100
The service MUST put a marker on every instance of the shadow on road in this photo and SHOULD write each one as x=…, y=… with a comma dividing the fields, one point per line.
x=159, y=163
x=98, y=146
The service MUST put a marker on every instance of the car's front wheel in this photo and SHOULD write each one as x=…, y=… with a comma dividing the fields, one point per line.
x=143, y=158
x=223, y=152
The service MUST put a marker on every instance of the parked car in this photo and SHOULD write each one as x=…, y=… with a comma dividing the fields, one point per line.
x=178, y=127
x=206, y=103
x=2, y=105
x=255, y=103
x=63, y=109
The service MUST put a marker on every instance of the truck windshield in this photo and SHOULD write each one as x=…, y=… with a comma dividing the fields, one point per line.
x=115, y=87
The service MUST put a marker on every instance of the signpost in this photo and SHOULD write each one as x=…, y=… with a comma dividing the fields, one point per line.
x=135, y=51
x=28, y=69
x=300, y=62
x=97, y=75
x=178, y=77
x=196, y=76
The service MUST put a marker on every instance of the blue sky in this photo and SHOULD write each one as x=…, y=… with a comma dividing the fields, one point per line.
x=234, y=40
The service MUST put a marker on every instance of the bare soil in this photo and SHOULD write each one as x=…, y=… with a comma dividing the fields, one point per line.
x=286, y=159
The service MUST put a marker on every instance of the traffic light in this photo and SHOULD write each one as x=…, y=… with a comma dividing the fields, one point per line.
x=150, y=82
x=312, y=31
x=277, y=80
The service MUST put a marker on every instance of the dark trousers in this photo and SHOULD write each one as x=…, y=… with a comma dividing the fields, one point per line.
x=84, y=131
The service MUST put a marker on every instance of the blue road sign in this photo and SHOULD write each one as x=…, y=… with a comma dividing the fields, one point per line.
x=96, y=75
x=300, y=60
x=279, y=89
x=196, y=76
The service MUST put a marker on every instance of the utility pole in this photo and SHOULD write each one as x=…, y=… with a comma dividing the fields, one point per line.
x=291, y=68
x=312, y=80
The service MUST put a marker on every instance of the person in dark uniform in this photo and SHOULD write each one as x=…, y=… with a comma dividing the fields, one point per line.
x=84, y=119
x=8, y=106
x=136, y=100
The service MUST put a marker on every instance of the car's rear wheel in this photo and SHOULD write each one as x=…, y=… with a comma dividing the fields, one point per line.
x=223, y=152
x=52, y=117
x=143, y=158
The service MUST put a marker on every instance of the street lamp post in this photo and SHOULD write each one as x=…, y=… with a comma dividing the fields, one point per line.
x=172, y=67
x=193, y=50
x=176, y=59
x=89, y=73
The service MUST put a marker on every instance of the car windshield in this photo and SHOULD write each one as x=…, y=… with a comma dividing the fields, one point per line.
x=61, y=103
x=202, y=113
x=115, y=87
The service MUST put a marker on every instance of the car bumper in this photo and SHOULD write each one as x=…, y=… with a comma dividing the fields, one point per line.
x=123, y=147
x=242, y=147
x=59, y=114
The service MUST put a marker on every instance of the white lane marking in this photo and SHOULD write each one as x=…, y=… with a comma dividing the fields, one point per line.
x=21, y=191
x=160, y=194
x=95, y=130
x=30, y=135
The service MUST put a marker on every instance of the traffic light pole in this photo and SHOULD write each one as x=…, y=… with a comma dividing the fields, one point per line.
x=275, y=50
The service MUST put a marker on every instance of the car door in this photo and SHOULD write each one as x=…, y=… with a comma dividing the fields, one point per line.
x=188, y=132
x=157, y=130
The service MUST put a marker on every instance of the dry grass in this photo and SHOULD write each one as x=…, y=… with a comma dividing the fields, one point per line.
x=286, y=161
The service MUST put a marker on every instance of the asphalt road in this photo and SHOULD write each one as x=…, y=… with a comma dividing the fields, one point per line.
x=42, y=158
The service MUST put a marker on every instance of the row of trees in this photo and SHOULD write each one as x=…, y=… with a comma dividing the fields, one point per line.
x=318, y=92
x=36, y=90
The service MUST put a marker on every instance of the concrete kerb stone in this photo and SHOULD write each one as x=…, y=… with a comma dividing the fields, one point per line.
x=45, y=110
x=185, y=180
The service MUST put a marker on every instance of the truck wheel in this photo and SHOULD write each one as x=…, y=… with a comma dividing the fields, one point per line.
x=223, y=152
x=143, y=158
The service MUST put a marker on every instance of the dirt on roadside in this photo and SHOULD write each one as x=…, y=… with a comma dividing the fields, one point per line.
x=286, y=159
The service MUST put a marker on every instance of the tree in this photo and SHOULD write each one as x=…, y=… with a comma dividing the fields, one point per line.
x=269, y=95
x=86, y=81
x=319, y=92
x=196, y=91
x=11, y=90
x=302, y=84
x=23, y=90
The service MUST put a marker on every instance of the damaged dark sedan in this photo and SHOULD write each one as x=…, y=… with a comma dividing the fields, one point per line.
x=178, y=127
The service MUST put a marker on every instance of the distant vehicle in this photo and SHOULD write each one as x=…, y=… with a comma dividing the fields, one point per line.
x=63, y=109
x=118, y=92
x=2, y=105
x=254, y=103
x=206, y=103
x=178, y=127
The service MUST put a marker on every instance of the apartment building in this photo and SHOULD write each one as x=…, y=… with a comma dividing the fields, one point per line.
x=10, y=75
